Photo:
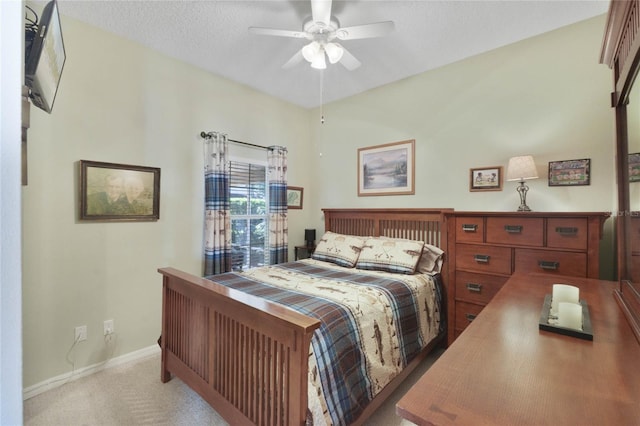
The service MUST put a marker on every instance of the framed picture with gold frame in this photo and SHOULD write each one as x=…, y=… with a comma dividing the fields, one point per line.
x=387, y=169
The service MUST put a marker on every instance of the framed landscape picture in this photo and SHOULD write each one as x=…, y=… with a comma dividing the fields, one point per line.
x=294, y=197
x=485, y=179
x=387, y=169
x=119, y=192
x=570, y=172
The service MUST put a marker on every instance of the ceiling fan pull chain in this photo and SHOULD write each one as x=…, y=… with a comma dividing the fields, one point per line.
x=321, y=92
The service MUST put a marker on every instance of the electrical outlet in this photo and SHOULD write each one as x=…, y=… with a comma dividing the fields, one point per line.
x=81, y=333
x=108, y=327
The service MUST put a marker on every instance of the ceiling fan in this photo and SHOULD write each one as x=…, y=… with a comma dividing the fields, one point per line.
x=322, y=30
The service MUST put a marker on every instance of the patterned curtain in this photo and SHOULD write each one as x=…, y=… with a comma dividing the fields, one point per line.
x=217, y=220
x=277, y=176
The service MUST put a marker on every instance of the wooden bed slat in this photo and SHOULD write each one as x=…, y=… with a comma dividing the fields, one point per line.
x=248, y=357
x=260, y=393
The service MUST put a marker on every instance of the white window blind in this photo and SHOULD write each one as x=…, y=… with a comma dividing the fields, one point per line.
x=249, y=215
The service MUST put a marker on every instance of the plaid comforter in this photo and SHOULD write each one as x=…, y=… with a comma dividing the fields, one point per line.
x=372, y=325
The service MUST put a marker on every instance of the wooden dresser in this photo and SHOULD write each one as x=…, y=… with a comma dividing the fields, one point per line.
x=505, y=371
x=485, y=248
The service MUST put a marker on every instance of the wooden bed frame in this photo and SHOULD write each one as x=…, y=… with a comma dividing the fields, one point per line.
x=248, y=357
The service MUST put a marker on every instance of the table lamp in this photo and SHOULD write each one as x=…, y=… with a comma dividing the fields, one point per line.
x=520, y=169
x=310, y=237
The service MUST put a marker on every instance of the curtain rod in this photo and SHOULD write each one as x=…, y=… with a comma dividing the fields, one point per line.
x=205, y=135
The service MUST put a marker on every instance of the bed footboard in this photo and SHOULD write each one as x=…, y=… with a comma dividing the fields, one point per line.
x=247, y=357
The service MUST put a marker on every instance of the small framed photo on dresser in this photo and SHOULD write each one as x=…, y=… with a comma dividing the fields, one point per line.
x=485, y=179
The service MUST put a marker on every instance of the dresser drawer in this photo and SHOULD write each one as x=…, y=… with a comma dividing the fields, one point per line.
x=569, y=233
x=481, y=258
x=469, y=229
x=465, y=313
x=478, y=288
x=553, y=262
x=515, y=231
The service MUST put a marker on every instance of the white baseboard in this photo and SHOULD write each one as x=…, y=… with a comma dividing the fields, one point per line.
x=60, y=380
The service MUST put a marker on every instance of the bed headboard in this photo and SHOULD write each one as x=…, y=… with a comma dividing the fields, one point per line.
x=428, y=225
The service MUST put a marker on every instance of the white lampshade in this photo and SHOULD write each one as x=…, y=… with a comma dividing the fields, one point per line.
x=334, y=52
x=311, y=51
x=319, y=62
x=521, y=168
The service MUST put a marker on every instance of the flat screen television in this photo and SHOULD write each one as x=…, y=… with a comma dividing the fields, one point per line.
x=45, y=59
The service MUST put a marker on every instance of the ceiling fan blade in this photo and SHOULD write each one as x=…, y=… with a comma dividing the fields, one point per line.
x=276, y=32
x=348, y=60
x=321, y=11
x=295, y=60
x=377, y=29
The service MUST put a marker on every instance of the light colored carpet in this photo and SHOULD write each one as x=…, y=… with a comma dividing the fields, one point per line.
x=132, y=394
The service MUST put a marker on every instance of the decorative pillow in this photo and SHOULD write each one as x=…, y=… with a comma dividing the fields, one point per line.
x=340, y=249
x=390, y=255
x=431, y=260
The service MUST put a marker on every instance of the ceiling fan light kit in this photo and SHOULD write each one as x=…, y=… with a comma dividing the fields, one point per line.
x=321, y=30
x=318, y=61
x=334, y=52
x=314, y=54
x=311, y=50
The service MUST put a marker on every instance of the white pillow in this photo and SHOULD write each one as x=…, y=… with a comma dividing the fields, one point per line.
x=390, y=255
x=431, y=260
x=340, y=249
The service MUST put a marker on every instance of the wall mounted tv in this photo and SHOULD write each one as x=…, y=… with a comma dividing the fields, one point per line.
x=45, y=57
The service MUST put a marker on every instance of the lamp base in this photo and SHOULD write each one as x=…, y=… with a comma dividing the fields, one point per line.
x=522, y=190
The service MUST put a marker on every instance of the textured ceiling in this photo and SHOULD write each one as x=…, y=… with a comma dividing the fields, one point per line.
x=213, y=35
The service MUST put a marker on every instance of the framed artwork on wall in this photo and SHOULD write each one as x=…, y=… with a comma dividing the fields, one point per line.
x=485, y=179
x=294, y=197
x=570, y=172
x=634, y=167
x=119, y=192
x=387, y=169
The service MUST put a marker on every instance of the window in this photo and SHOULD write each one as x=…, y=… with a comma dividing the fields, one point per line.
x=249, y=216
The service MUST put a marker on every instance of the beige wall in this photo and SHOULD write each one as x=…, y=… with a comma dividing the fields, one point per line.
x=546, y=96
x=119, y=102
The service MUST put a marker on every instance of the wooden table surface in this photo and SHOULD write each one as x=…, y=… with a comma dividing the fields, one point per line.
x=503, y=370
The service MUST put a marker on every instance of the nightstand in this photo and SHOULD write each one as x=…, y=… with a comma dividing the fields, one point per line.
x=304, y=252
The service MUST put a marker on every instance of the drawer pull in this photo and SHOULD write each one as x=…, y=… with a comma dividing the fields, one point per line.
x=566, y=231
x=469, y=227
x=474, y=287
x=470, y=317
x=550, y=266
x=513, y=229
x=481, y=258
